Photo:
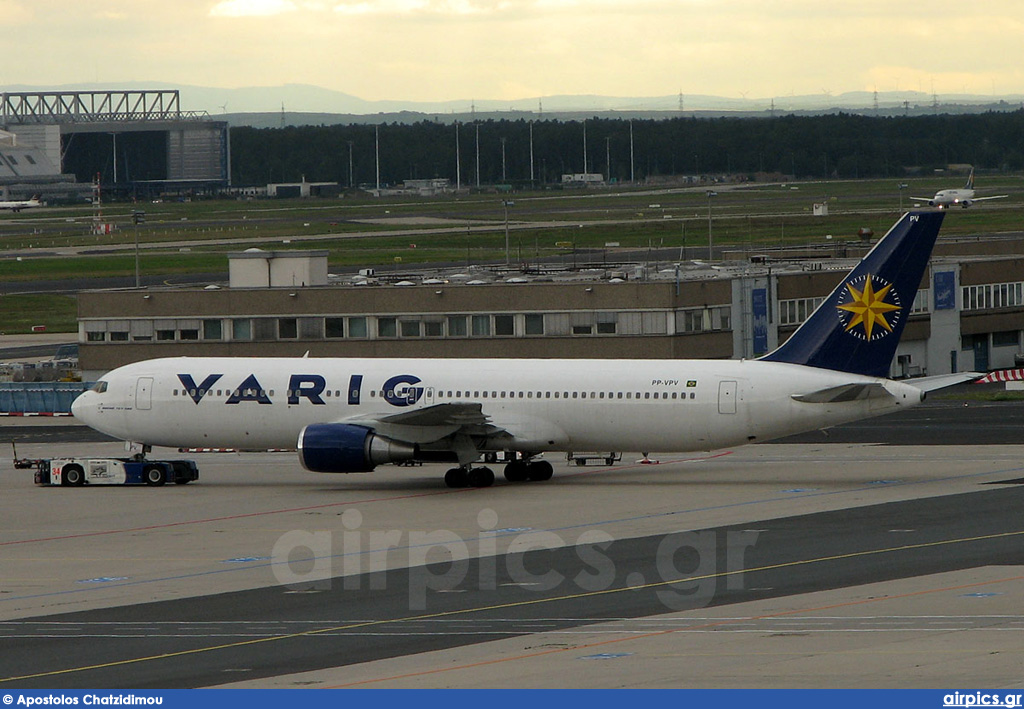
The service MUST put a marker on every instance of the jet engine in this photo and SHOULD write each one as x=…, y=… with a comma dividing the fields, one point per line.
x=346, y=448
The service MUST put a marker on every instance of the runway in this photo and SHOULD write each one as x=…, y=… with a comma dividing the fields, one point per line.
x=687, y=573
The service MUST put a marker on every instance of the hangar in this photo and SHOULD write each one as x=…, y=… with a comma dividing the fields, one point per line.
x=138, y=142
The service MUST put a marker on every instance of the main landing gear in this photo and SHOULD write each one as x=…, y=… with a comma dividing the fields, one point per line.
x=469, y=477
x=516, y=471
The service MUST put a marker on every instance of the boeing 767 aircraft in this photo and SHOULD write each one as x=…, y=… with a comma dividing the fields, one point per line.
x=350, y=415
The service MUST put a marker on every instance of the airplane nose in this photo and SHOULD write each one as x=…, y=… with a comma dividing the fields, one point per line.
x=79, y=405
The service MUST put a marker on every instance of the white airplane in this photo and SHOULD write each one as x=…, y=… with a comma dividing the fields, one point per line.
x=19, y=204
x=964, y=197
x=349, y=415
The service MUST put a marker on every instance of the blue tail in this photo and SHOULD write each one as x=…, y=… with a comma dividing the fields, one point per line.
x=970, y=181
x=857, y=327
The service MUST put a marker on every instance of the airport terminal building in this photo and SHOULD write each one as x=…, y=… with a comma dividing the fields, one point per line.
x=967, y=315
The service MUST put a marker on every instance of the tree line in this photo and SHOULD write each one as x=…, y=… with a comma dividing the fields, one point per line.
x=802, y=147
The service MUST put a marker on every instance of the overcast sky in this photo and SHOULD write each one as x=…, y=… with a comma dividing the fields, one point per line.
x=432, y=50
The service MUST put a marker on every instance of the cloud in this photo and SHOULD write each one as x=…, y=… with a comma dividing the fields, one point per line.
x=422, y=7
x=251, y=8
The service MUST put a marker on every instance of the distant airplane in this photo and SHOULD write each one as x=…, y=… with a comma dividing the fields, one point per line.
x=20, y=204
x=348, y=415
x=964, y=197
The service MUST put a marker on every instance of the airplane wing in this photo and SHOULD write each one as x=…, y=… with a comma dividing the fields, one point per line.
x=924, y=199
x=456, y=413
x=998, y=196
x=430, y=423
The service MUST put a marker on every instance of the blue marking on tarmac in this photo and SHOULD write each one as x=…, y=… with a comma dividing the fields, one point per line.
x=979, y=595
x=605, y=656
x=711, y=508
x=245, y=559
x=104, y=579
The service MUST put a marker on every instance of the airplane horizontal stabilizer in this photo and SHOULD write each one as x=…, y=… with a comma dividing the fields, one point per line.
x=941, y=381
x=844, y=392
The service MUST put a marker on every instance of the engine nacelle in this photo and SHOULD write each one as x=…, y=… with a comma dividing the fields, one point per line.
x=346, y=448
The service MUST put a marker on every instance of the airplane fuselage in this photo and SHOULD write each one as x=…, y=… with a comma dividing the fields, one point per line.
x=952, y=198
x=564, y=405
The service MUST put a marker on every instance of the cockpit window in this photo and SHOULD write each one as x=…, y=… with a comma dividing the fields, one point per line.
x=99, y=387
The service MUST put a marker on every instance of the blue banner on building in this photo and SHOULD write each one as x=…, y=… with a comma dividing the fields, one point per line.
x=944, y=289
x=759, y=301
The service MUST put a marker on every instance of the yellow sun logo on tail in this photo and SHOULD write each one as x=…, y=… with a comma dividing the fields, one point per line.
x=865, y=306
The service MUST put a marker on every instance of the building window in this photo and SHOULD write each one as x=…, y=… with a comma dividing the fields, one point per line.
x=287, y=328
x=433, y=328
x=1006, y=338
x=606, y=328
x=357, y=327
x=188, y=334
x=212, y=330
x=164, y=335
x=504, y=325
x=534, y=324
x=481, y=325
x=457, y=326
x=994, y=295
x=241, y=329
x=583, y=329
x=95, y=336
x=119, y=336
x=387, y=327
x=409, y=328
x=794, y=312
x=334, y=327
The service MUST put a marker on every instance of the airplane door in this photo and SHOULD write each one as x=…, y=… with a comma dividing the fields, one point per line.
x=144, y=394
x=727, y=397
x=428, y=396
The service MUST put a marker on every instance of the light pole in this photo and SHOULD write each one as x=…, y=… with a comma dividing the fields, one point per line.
x=503, y=159
x=137, y=217
x=711, y=193
x=902, y=186
x=506, y=203
x=350, y=164
x=608, y=159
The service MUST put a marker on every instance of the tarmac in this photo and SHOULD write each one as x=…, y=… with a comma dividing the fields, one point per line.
x=837, y=565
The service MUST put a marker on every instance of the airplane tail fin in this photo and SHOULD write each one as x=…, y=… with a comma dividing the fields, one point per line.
x=970, y=180
x=857, y=327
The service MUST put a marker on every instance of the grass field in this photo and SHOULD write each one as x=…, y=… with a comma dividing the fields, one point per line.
x=195, y=237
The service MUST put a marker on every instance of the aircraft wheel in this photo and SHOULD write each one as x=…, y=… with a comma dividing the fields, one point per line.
x=481, y=477
x=73, y=475
x=540, y=471
x=516, y=471
x=456, y=477
x=155, y=475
